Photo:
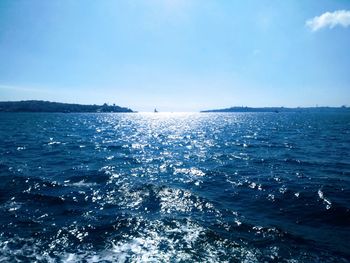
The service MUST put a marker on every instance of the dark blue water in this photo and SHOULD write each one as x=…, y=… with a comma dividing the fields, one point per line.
x=261, y=187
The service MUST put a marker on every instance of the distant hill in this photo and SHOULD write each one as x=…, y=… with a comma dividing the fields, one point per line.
x=281, y=109
x=47, y=106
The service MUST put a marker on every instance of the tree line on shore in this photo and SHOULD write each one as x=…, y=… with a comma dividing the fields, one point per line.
x=47, y=106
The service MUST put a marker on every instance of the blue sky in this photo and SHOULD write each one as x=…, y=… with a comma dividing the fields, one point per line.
x=176, y=55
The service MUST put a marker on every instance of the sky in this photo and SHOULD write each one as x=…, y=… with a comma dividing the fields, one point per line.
x=176, y=55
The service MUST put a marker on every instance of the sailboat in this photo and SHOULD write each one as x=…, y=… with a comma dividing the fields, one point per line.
x=155, y=110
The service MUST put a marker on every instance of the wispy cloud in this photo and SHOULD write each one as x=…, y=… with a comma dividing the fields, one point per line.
x=21, y=89
x=330, y=20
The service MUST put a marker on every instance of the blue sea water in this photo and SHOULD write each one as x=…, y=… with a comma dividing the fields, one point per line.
x=201, y=187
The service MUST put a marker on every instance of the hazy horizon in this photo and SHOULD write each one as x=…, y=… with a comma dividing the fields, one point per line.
x=151, y=110
x=176, y=55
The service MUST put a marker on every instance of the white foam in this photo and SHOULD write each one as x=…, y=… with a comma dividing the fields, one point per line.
x=325, y=201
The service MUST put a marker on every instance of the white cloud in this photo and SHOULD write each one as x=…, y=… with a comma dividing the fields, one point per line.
x=330, y=20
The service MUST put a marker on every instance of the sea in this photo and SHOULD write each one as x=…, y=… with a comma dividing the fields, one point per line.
x=175, y=187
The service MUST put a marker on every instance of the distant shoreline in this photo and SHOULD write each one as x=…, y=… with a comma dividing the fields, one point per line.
x=59, y=107
x=48, y=106
x=281, y=109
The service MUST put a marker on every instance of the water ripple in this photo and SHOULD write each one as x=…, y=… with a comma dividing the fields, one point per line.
x=174, y=187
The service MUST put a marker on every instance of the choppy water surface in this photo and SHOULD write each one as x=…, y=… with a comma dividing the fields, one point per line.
x=175, y=187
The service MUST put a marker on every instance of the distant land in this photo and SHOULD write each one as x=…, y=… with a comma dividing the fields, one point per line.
x=281, y=109
x=47, y=106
